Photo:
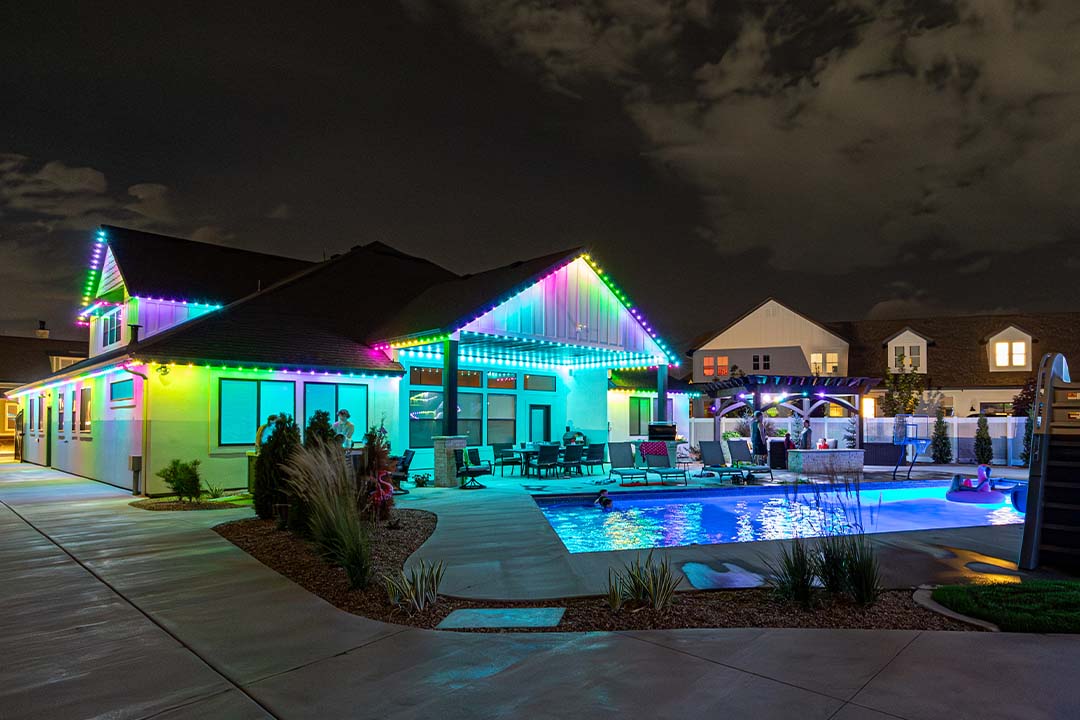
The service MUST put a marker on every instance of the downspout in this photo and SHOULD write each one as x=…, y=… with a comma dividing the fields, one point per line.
x=145, y=435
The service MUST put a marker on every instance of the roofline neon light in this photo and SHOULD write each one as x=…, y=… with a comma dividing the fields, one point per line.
x=32, y=388
x=277, y=370
x=646, y=391
x=633, y=362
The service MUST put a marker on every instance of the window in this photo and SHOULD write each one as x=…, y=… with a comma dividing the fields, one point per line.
x=74, y=417
x=30, y=414
x=41, y=413
x=470, y=378
x=898, y=357
x=640, y=407
x=1001, y=354
x=501, y=381
x=757, y=362
x=835, y=411
x=765, y=362
x=60, y=414
x=59, y=363
x=110, y=328
x=84, y=410
x=425, y=417
x=471, y=417
x=332, y=397
x=244, y=404
x=995, y=408
x=11, y=410
x=1019, y=354
x=721, y=366
x=425, y=376
x=540, y=382
x=708, y=365
x=915, y=353
x=502, y=418
x=832, y=363
x=816, y=364
x=122, y=390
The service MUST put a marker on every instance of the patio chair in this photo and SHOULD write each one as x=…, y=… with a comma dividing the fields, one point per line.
x=713, y=461
x=547, y=458
x=401, y=472
x=740, y=453
x=504, y=458
x=622, y=464
x=594, y=455
x=467, y=474
x=571, y=459
x=661, y=465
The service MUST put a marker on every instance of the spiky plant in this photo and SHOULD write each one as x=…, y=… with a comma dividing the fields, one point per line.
x=417, y=589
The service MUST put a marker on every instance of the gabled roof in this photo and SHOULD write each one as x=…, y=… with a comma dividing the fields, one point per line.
x=702, y=340
x=448, y=305
x=1010, y=326
x=155, y=265
x=958, y=356
x=901, y=331
x=26, y=359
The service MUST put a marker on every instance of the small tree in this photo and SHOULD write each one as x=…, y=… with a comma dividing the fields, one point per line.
x=851, y=432
x=940, y=444
x=984, y=446
x=902, y=392
x=319, y=429
x=183, y=479
x=1029, y=429
x=1024, y=400
x=269, y=487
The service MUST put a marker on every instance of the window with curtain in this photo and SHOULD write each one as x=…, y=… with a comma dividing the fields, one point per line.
x=84, y=409
x=425, y=417
x=708, y=365
x=502, y=418
x=640, y=415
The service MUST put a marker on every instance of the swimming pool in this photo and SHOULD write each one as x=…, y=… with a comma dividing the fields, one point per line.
x=700, y=517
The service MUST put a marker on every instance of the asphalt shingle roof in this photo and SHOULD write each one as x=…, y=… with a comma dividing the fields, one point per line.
x=25, y=359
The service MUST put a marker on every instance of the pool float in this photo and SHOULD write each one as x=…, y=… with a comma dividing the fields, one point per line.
x=979, y=491
x=1019, y=497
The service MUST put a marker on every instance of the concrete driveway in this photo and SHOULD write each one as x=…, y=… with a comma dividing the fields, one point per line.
x=108, y=611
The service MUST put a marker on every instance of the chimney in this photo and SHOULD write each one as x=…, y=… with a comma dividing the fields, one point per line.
x=134, y=334
x=42, y=332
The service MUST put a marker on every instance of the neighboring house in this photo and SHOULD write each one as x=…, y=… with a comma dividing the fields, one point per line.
x=229, y=337
x=971, y=363
x=23, y=360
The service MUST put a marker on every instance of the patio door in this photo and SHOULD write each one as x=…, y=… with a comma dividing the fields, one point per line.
x=539, y=423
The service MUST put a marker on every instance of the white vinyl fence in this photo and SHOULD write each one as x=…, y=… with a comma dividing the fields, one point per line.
x=1006, y=433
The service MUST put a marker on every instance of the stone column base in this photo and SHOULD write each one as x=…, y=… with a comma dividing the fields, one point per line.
x=445, y=464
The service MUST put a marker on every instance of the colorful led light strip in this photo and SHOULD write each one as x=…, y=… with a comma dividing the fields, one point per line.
x=388, y=375
x=645, y=391
x=97, y=259
x=69, y=380
x=633, y=362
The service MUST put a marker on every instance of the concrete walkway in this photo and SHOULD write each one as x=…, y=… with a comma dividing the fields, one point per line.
x=108, y=611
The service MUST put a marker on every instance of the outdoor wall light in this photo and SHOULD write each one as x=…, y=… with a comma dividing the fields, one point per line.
x=162, y=370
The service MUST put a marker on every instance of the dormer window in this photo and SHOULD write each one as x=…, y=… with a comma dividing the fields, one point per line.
x=907, y=351
x=110, y=328
x=1009, y=350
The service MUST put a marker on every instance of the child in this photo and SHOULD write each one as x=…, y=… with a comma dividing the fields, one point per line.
x=603, y=500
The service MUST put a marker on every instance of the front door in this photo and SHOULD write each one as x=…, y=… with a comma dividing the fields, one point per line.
x=539, y=423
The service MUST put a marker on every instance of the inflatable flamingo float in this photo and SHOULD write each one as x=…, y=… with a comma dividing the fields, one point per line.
x=979, y=491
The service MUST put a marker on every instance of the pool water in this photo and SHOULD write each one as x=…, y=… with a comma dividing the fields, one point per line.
x=670, y=519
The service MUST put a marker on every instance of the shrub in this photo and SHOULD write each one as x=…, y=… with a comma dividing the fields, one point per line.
x=940, y=444
x=183, y=479
x=321, y=476
x=269, y=487
x=416, y=590
x=984, y=446
x=421, y=479
x=851, y=432
x=319, y=429
x=642, y=584
x=1029, y=428
x=791, y=574
x=831, y=563
x=863, y=572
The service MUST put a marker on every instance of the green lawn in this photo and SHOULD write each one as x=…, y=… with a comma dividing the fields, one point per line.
x=1050, y=606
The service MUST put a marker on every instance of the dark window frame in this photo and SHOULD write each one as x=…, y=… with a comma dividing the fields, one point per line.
x=634, y=408
x=258, y=406
x=525, y=382
x=86, y=415
x=112, y=390
x=488, y=419
x=337, y=403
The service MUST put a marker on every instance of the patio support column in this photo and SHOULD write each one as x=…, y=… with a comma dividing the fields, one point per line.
x=661, y=394
x=860, y=429
x=450, y=386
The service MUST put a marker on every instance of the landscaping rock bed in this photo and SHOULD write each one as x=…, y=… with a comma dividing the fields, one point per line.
x=168, y=504
x=294, y=558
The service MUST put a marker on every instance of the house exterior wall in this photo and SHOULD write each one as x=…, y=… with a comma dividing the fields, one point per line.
x=904, y=342
x=772, y=328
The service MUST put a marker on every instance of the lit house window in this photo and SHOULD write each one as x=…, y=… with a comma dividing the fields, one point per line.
x=832, y=363
x=816, y=364
x=721, y=366
x=708, y=366
x=915, y=353
x=1010, y=354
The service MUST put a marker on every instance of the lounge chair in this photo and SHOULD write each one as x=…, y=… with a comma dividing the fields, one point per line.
x=740, y=453
x=622, y=464
x=594, y=456
x=713, y=461
x=571, y=459
x=661, y=465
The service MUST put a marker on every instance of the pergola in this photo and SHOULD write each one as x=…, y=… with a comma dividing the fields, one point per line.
x=802, y=394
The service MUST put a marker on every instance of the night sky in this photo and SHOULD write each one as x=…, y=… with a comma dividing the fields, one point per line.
x=851, y=158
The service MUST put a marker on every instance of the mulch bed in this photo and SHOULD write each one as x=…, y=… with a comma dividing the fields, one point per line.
x=151, y=504
x=294, y=558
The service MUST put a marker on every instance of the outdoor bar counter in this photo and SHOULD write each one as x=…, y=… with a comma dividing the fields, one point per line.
x=842, y=460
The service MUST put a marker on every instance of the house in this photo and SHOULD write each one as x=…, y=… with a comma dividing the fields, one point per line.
x=972, y=364
x=23, y=360
x=192, y=346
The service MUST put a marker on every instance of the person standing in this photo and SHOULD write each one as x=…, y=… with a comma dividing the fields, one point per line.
x=806, y=438
x=759, y=446
x=343, y=429
x=265, y=431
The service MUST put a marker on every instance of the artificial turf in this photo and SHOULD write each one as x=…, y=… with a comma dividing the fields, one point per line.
x=1041, y=606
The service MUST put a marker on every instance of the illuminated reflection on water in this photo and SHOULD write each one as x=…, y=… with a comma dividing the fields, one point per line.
x=710, y=517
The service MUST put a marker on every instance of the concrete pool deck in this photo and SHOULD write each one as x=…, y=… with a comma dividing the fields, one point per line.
x=115, y=612
x=497, y=545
